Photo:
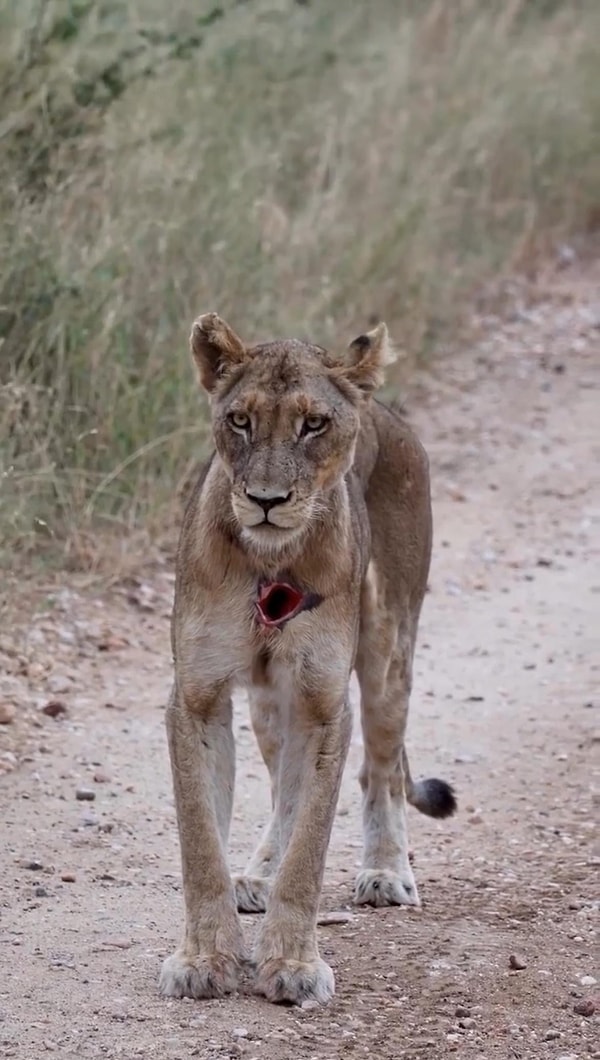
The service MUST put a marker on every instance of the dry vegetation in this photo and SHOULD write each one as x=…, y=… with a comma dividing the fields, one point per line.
x=299, y=166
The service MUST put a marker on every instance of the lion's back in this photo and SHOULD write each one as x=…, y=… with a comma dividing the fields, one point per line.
x=393, y=469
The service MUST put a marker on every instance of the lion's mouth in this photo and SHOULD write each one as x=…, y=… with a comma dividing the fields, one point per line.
x=277, y=602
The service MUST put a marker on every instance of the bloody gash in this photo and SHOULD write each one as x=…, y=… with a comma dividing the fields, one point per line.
x=278, y=602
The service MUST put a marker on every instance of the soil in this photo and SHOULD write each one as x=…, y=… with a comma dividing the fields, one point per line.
x=500, y=961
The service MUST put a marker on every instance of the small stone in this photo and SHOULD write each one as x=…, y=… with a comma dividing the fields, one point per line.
x=309, y=1005
x=58, y=684
x=565, y=256
x=100, y=777
x=335, y=918
x=55, y=708
x=85, y=795
x=587, y=980
x=40, y=892
x=475, y=818
x=462, y=1011
x=516, y=963
x=68, y=877
x=551, y=1036
x=467, y=1023
x=240, y=1032
x=33, y=866
x=7, y=713
x=117, y=943
x=584, y=1008
x=112, y=643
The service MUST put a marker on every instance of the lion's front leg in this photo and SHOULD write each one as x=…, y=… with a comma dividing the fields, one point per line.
x=288, y=965
x=203, y=765
x=253, y=887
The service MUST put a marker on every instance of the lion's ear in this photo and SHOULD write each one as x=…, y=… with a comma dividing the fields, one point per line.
x=215, y=348
x=368, y=356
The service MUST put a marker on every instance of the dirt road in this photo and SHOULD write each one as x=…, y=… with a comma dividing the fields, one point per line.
x=505, y=707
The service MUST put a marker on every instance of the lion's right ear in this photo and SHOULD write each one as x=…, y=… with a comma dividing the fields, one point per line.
x=215, y=348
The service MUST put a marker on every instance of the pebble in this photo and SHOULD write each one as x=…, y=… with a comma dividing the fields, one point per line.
x=309, y=1006
x=117, y=943
x=85, y=795
x=475, y=818
x=335, y=918
x=516, y=963
x=68, y=877
x=588, y=980
x=40, y=892
x=584, y=1008
x=467, y=1023
x=33, y=866
x=54, y=708
x=551, y=1036
x=7, y=713
x=462, y=1011
x=58, y=684
x=100, y=777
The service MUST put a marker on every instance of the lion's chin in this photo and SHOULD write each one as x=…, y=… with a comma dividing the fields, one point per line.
x=269, y=539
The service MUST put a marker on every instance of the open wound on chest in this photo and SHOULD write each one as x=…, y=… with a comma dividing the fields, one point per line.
x=277, y=602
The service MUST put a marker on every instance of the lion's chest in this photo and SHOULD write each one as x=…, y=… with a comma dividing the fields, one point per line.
x=224, y=643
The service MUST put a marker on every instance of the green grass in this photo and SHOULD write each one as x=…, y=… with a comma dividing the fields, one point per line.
x=301, y=168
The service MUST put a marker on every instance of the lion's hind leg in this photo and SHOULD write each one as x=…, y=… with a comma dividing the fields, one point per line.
x=384, y=667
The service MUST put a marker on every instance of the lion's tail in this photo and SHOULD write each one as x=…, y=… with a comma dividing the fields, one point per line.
x=433, y=797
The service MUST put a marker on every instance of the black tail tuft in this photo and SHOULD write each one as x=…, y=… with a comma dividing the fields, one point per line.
x=433, y=797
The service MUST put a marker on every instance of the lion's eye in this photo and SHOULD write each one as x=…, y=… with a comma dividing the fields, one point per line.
x=240, y=421
x=314, y=424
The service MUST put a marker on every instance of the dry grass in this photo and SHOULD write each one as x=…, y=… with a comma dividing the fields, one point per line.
x=300, y=167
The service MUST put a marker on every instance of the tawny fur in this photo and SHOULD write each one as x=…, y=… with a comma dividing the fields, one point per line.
x=346, y=485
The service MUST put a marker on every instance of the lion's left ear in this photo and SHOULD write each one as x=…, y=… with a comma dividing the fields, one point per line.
x=368, y=356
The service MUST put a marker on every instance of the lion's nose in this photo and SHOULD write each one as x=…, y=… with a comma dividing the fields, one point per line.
x=267, y=498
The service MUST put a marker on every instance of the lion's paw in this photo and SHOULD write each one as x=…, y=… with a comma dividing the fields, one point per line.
x=199, y=976
x=251, y=893
x=293, y=982
x=382, y=887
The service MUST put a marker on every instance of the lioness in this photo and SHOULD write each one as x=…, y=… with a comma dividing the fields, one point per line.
x=304, y=553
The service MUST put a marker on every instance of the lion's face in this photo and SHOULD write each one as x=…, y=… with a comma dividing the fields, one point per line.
x=286, y=416
x=286, y=435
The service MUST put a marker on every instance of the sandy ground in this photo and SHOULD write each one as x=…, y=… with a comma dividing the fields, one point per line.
x=505, y=707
